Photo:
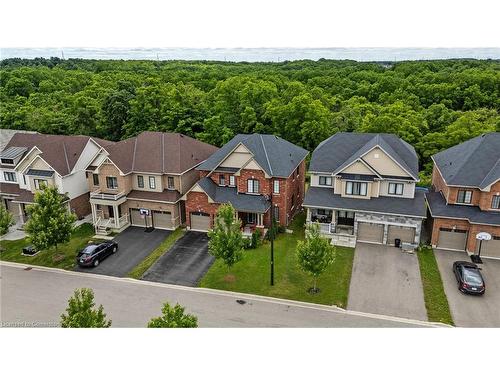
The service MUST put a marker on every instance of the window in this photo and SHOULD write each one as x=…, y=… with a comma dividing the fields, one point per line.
x=396, y=188
x=464, y=196
x=276, y=187
x=7, y=161
x=222, y=180
x=170, y=182
x=355, y=188
x=495, y=202
x=140, y=182
x=232, y=181
x=252, y=186
x=95, y=179
x=39, y=183
x=276, y=214
x=24, y=179
x=152, y=182
x=297, y=172
x=251, y=217
x=325, y=180
x=9, y=176
x=111, y=182
x=293, y=201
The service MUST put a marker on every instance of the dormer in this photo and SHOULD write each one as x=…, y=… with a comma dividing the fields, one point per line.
x=11, y=156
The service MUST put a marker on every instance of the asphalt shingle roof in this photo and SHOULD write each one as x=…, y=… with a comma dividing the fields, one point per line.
x=474, y=163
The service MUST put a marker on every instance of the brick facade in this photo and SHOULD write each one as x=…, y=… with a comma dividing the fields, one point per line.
x=105, y=170
x=81, y=205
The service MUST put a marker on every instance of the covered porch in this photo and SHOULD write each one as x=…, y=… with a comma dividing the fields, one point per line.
x=335, y=224
x=108, y=213
x=250, y=222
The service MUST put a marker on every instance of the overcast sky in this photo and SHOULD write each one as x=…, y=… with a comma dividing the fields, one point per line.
x=250, y=23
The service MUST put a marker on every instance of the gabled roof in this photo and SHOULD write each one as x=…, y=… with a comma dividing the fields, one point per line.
x=278, y=158
x=7, y=134
x=474, y=163
x=342, y=149
x=158, y=152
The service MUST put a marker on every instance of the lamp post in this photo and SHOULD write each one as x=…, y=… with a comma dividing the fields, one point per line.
x=270, y=199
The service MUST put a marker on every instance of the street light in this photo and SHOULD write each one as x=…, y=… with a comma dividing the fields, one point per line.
x=270, y=199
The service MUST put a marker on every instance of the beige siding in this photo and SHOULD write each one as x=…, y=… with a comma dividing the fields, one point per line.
x=408, y=189
x=158, y=179
x=358, y=168
x=383, y=164
x=187, y=180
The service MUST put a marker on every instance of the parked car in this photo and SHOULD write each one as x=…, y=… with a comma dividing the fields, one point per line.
x=469, y=278
x=93, y=254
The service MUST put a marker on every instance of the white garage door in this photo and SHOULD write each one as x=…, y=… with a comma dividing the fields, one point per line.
x=370, y=232
x=405, y=234
x=162, y=219
x=453, y=240
x=137, y=220
x=200, y=221
x=490, y=248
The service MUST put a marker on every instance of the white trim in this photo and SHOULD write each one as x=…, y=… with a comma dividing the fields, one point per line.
x=360, y=159
x=370, y=212
x=394, y=160
x=45, y=161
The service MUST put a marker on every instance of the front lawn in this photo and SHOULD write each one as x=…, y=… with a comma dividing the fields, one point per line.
x=251, y=275
x=436, y=302
x=64, y=257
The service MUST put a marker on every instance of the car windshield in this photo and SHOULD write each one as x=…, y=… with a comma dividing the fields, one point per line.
x=89, y=249
x=472, y=277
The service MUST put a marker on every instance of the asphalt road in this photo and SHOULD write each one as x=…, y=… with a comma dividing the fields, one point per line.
x=185, y=263
x=134, y=244
x=37, y=297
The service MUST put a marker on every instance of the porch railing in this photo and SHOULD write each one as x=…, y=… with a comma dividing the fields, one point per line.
x=123, y=220
x=97, y=194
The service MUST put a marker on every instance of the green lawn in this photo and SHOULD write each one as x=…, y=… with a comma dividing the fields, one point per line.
x=147, y=262
x=251, y=275
x=64, y=257
x=436, y=302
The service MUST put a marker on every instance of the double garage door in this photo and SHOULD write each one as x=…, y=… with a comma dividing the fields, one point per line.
x=372, y=232
x=156, y=219
x=200, y=221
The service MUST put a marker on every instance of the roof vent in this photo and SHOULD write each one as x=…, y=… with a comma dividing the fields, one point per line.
x=376, y=155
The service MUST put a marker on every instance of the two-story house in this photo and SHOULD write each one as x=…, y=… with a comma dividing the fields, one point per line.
x=363, y=189
x=31, y=160
x=252, y=172
x=139, y=181
x=466, y=196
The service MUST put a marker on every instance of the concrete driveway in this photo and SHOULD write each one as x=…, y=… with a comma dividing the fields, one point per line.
x=185, y=263
x=386, y=281
x=134, y=244
x=466, y=310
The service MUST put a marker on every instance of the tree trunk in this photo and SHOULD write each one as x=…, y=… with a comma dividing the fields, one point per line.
x=314, y=288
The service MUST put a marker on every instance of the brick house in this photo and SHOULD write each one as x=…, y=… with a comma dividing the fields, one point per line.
x=465, y=196
x=249, y=172
x=139, y=181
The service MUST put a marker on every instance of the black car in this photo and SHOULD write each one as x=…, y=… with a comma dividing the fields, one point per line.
x=93, y=254
x=469, y=278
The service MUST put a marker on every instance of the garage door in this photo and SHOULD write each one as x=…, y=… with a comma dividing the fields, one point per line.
x=490, y=248
x=370, y=232
x=137, y=220
x=200, y=221
x=405, y=234
x=162, y=219
x=454, y=240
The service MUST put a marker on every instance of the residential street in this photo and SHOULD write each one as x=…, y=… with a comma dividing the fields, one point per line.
x=39, y=296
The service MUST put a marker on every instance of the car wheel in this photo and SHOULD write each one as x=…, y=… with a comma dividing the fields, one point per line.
x=114, y=249
x=96, y=262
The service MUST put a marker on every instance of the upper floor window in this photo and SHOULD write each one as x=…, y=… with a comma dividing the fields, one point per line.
x=325, y=180
x=7, y=161
x=170, y=182
x=39, y=183
x=111, y=182
x=252, y=186
x=152, y=182
x=495, y=202
x=140, y=182
x=464, y=196
x=297, y=172
x=232, y=180
x=356, y=188
x=276, y=187
x=276, y=214
x=396, y=188
x=95, y=179
x=222, y=180
x=9, y=176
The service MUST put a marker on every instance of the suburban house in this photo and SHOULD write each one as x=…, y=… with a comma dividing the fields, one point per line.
x=363, y=189
x=31, y=160
x=465, y=196
x=139, y=181
x=252, y=172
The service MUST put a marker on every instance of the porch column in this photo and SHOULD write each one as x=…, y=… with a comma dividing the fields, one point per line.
x=386, y=228
x=21, y=213
x=308, y=215
x=260, y=220
x=94, y=214
x=115, y=212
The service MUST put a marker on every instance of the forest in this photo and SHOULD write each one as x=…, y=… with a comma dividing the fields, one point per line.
x=431, y=104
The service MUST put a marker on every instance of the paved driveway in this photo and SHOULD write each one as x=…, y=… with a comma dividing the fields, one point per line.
x=471, y=311
x=386, y=281
x=134, y=244
x=185, y=263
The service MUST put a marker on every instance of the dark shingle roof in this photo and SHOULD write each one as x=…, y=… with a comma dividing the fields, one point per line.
x=324, y=197
x=279, y=158
x=241, y=202
x=341, y=149
x=474, y=163
x=162, y=196
x=439, y=208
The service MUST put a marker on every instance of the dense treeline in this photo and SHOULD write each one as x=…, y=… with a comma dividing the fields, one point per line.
x=431, y=104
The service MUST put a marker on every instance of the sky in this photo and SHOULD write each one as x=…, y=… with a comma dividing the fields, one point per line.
x=254, y=23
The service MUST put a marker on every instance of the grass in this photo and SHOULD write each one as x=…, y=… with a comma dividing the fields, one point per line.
x=251, y=275
x=63, y=257
x=147, y=262
x=436, y=302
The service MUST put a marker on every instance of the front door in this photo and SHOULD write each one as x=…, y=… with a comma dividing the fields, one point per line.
x=111, y=212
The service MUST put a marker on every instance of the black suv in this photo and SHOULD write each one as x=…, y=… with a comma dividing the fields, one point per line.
x=93, y=254
x=469, y=278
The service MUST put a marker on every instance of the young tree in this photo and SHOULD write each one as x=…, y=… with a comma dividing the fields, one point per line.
x=81, y=312
x=173, y=317
x=314, y=254
x=226, y=240
x=6, y=220
x=50, y=223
